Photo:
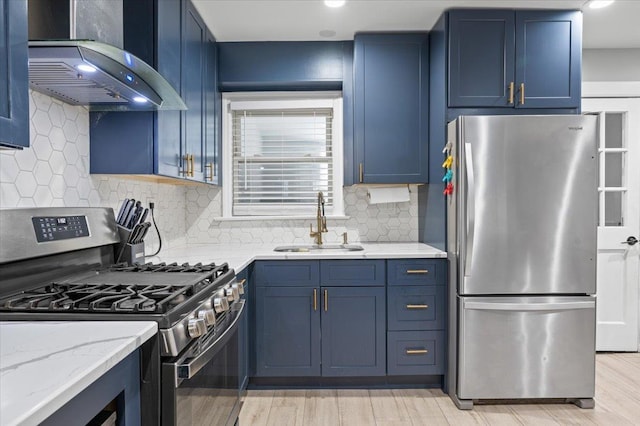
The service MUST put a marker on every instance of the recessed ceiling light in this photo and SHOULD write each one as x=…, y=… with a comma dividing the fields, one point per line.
x=334, y=3
x=599, y=4
x=140, y=99
x=86, y=68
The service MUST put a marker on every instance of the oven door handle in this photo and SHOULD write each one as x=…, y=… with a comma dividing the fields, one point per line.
x=189, y=369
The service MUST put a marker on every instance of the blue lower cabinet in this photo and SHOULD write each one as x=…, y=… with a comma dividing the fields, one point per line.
x=353, y=272
x=287, y=332
x=243, y=335
x=416, y=352
x=416, y=307
x=353, y=331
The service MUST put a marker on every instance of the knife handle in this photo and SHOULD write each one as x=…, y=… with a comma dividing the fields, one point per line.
x=121, y=211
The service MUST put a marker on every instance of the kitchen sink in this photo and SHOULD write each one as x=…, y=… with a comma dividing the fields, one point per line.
x=313, y=247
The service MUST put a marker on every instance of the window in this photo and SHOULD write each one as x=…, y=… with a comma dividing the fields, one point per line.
x=280, y=150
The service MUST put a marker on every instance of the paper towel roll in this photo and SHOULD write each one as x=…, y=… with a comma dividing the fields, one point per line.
x=388, y=194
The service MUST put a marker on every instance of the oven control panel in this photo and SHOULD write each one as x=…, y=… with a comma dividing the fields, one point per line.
x=60, y=227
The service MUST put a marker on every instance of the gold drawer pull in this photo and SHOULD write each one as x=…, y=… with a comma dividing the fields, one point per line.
x=417, y=306
x=417, y=271
x=416, y=351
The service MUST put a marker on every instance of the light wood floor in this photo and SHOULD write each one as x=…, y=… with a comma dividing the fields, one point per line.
x=617, y=403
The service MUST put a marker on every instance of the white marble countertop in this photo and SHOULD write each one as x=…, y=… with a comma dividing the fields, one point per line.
x=239, y=256
x=43, y=365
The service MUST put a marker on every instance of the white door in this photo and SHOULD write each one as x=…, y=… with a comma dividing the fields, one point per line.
x=619, y=220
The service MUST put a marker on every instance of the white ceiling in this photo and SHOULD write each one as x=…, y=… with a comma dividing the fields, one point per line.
x=271, y=20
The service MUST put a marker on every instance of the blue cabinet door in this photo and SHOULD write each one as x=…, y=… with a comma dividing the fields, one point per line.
x=14, y=74
x=481, y=58
x=168, y=139
x=211, y=117
x=353, y=331
x=391, y=107
x=193, y=94
x=514, y=59
x=287, y=331
x=549, y=58
x=243, y=335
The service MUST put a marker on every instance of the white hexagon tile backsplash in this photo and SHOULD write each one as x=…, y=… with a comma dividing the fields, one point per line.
x=54, y=171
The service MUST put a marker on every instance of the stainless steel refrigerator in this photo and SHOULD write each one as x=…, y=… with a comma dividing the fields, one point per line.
x=522, y=223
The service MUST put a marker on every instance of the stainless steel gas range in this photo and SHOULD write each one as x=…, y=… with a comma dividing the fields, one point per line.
x=190, y=371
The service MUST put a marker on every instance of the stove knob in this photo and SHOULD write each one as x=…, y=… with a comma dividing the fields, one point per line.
x=208, y=316
x=232, y=293
x=239, y=286
x=220, y=304
x=196, y=327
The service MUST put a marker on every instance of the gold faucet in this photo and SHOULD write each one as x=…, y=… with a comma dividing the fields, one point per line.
x=321, y=221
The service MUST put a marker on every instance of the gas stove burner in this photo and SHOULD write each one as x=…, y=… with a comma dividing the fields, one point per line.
x=151, y=288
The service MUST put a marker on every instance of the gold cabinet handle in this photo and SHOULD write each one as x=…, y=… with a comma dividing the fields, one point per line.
x=315, y=299
x=361, y=172
x=417, y=306
x=521, y=93
x=326, y=300
x=209, y=166
x=512, y=87
x=416, y=351
x=193, y=168
x=417, y=271
x=185, y=165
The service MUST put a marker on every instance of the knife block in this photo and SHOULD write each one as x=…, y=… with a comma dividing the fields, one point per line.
x=127, y=252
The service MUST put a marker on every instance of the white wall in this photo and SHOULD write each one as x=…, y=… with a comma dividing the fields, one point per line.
x=611, y=65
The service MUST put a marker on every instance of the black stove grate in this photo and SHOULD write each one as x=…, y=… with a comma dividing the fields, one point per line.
x=150, y=288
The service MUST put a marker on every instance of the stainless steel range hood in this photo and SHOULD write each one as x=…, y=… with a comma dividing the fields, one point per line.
x=98, y=74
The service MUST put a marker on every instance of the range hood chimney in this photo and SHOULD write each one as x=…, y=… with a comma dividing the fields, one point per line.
x=76, y=55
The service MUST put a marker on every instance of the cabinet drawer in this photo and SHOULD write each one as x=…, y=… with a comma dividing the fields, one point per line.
x=352, y=272
x=417, y=272
x=287, y=273
x=416, y=308
x=415, y=352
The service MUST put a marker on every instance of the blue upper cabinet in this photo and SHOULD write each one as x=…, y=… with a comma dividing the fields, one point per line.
x=14, y=84
x=285, y=65
x=514, y=59
x=391, y=95
x=193, y=92
x=212, y=131
x=179, y=144
x=549, y=52
x=481, y=57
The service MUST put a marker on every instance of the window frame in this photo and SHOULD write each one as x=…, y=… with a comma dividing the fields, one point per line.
x=281, y=100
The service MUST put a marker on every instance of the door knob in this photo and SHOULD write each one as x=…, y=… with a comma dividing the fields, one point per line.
x=631, y=241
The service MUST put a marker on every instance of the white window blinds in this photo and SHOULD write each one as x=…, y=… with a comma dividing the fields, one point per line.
x=282, y=158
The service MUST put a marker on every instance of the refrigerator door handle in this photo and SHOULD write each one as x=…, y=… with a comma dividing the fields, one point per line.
x=471, y=206
x=555, y=306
